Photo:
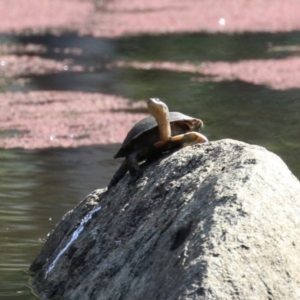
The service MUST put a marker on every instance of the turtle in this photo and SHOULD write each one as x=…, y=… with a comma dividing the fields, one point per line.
x=161, y=132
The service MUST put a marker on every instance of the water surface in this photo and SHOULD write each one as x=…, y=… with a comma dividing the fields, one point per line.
x=38, y=187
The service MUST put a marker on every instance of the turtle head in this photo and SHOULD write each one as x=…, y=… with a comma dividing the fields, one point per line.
x=160, y=111
x=157, y=107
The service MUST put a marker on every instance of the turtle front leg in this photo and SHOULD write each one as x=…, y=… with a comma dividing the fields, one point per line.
x=133, y=164
x=183, y=140
x=188, y=138
x=120, y=173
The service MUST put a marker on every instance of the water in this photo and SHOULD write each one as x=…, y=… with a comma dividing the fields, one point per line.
x=38, y=187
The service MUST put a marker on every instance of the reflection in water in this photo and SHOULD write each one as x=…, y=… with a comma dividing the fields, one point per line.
x=36, y=189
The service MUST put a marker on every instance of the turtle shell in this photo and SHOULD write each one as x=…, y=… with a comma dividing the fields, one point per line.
x=146, y=133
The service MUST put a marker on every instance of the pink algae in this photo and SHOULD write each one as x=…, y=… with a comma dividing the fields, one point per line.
x=41, y=15
x=69, y=119
x=24, y=65
x=127, y=17
x=131, y=17
x=278, y=74
x=275, y=73
x=64, y=119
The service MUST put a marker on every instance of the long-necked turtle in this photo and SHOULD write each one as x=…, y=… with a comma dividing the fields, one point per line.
x=161, y=132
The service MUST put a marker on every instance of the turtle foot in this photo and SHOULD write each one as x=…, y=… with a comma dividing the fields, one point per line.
x=136, y=175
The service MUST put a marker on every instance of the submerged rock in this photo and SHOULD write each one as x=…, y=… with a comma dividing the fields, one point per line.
x=219, y=220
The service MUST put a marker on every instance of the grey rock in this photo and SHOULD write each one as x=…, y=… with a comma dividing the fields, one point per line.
x=219, y=220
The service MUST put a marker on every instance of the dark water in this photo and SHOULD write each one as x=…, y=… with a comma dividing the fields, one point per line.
x=38, y=187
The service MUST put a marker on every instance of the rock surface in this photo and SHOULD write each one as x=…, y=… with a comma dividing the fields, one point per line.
x=219, y=220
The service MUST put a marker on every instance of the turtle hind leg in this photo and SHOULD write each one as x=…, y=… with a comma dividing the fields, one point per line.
x=120, y=173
